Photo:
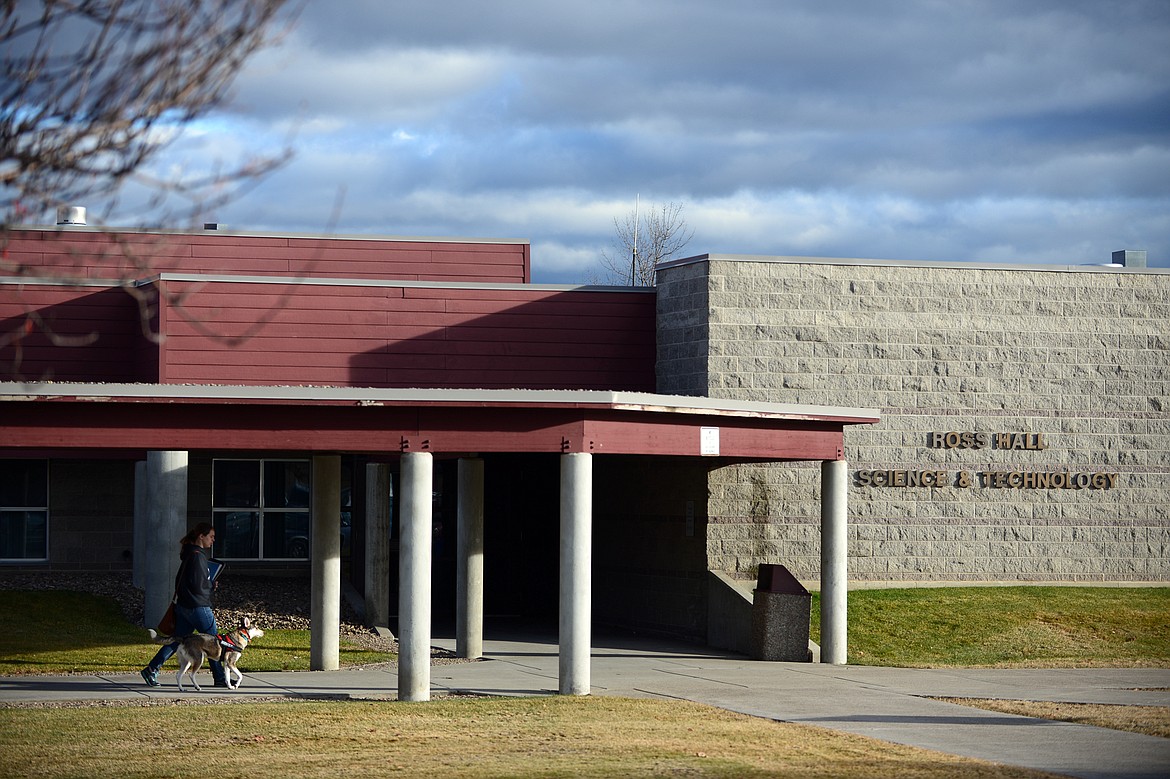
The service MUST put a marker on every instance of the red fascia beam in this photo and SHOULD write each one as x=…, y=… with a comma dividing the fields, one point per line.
x=737, y=437
x=194, y=426
x=275, y=426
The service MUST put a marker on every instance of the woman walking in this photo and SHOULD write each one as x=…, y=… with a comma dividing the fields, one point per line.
x=193, y=586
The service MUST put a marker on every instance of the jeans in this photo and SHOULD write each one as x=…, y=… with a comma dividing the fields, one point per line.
x=187, y=621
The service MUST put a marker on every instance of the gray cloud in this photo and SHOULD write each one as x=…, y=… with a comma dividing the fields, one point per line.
x=992, y=130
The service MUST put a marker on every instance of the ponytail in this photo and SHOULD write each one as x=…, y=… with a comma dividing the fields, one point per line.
x=202, y=529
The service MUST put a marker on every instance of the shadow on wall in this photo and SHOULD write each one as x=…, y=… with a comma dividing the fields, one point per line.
x=86, y=338
x=488, y=339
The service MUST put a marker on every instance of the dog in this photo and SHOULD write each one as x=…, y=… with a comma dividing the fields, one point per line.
x=226, y=647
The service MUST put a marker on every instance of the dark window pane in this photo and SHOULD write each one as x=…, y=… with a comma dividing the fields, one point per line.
x=286, y=534
x=24, y=535
x=24, y=483
x=236, y=484
x=237, y=534
x=286, y=484
x=346, y=510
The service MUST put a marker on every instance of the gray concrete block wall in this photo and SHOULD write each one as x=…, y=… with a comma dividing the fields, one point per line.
x=91, y=520
x=681, y=364
x=1081, y=356
x=650, y=574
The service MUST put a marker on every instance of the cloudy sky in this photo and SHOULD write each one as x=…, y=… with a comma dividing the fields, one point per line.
x=995, y=131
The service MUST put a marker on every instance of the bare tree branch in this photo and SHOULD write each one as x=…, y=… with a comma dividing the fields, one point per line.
x=92, y=90
x=91, y=93
x=661, y=233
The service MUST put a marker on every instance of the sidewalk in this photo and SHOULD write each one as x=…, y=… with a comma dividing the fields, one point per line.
x=887, y=703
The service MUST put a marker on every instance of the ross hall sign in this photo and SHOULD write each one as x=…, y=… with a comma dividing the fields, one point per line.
x=971, y=440
x=1009, y=479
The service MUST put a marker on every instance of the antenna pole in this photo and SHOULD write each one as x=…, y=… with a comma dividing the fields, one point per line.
x=634, y=255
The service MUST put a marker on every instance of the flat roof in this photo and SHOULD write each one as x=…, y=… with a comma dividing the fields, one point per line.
x=361, y=396
x=1104, y=267
x=223, y=231
x=51, y=419
x=321, y=281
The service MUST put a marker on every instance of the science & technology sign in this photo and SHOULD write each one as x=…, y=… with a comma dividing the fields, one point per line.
x=1001, y=479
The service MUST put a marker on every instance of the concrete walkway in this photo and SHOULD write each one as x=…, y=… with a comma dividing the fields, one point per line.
x=887, y=703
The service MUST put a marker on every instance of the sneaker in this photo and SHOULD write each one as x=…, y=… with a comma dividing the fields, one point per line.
x=218, y=683
x=150, y=677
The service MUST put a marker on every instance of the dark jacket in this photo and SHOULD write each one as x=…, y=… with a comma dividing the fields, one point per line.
x=193, y=582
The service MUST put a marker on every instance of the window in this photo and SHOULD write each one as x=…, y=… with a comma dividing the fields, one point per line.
x=24, y=510
x=260, y=509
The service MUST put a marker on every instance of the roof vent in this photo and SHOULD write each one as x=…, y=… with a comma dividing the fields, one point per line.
x=1130, y=258
x=75, y=215
x=211, y=225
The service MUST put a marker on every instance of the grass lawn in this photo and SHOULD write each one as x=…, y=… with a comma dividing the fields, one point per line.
x=67, y=632
x=1008, y=627
x=1147, y=720
x=528, y=737
x=61, y=632
x=54, y=631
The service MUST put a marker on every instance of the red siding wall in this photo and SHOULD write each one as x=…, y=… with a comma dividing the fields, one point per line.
x=413, y=314
x=401, y=336
x=56, y=333
x=89, y=254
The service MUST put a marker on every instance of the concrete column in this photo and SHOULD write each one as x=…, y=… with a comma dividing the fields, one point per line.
x=469, y=572
x=834, y=561
x=414, y=578
x=166, y=524
x=576, y=562
x=141, y=519
x=325, y=565
x=377, y=581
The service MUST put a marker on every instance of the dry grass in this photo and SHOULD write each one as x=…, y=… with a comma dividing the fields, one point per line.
x=1147, y=720
x=545, y=737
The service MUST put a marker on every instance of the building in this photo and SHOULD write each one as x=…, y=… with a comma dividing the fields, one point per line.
x=1025, y=432
x=411, y=415
x=415, y=418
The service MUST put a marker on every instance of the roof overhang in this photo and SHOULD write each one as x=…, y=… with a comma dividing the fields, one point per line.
x=135, y=417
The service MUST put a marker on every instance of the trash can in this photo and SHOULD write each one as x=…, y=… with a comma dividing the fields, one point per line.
x=781, y=608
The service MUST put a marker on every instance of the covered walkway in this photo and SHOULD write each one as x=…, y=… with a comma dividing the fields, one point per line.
x=165, y=422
